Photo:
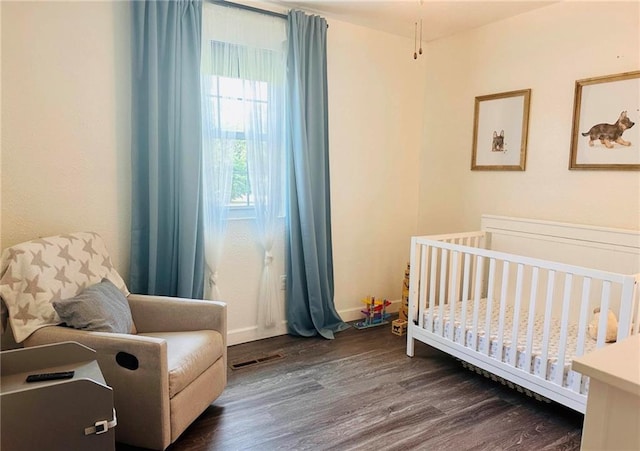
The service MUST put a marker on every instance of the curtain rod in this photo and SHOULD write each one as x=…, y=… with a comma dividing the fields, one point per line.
x=248, y=8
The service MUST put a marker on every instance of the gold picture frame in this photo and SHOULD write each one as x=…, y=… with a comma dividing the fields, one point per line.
x=500, y=131
x=604, y=112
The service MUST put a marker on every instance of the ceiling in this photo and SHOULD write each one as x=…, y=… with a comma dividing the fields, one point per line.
x=440, y=18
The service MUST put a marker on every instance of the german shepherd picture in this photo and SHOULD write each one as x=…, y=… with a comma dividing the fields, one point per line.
x=610, y=133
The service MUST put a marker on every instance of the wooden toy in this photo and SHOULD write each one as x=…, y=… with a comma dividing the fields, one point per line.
x=404, y=307
x=399, y=327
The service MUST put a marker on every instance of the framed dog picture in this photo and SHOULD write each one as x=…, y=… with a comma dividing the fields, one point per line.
x=500, y=131
x=605, y=111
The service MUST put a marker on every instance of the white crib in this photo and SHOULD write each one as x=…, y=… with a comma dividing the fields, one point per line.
x=514, y=300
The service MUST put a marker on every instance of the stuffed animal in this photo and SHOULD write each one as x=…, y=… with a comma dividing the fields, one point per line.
x=612, y=326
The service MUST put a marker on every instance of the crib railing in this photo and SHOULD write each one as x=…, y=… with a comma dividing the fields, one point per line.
x=435, y=284
x=454, y=275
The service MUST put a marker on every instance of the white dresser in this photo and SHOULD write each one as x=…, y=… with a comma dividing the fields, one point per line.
x=612, y=420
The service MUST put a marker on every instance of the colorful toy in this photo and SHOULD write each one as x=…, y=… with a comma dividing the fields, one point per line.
x=375, y=313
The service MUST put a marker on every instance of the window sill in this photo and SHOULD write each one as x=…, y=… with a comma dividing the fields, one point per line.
x=241, y=213
x=244, y=214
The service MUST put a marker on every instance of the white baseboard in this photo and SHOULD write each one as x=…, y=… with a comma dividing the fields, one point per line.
x=247, y=334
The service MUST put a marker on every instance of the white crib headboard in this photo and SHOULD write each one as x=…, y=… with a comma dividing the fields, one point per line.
x=608, y=249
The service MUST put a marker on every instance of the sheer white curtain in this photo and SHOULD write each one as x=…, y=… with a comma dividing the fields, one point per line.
x=265, y=154
x=217, y=171
x=245, y=57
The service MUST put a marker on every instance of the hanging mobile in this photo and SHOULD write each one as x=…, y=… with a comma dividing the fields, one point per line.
x=420, y=37
x=415, y=43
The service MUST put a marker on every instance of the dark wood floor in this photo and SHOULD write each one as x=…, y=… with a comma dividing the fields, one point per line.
x=361, y=391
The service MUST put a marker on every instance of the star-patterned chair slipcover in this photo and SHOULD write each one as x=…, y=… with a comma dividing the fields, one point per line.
x=164, y=374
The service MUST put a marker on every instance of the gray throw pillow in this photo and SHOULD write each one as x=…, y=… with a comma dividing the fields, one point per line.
x=101, y=307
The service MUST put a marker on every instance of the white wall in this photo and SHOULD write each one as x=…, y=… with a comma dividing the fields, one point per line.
x=239, y=274
x=545, y=50
x=376, y=93
x=66, y=149
x=66, y=122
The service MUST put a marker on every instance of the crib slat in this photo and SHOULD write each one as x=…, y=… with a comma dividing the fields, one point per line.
x=443, y=287
x=472, y=269
x=564, y=325
x=582, y=326
x=433, y=271
x=547, y=324
x=465, y=296
x=516, y=316
x=453, y=292
x=460, y=281
x=584, y=314
x=626, y=309
x=604, y=311
x=477, y=294
x=414, y=283
x=528, y=356
x=474, y=261
x=424, y=271
x=414, y=298
x=503, y=307
x=487, y=325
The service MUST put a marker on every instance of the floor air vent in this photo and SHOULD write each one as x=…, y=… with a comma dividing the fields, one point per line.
x=252, y=362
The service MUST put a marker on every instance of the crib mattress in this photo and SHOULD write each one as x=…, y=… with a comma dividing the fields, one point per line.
x=432, y=323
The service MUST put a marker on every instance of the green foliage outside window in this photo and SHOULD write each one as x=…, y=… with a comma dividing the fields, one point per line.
x=240, y=187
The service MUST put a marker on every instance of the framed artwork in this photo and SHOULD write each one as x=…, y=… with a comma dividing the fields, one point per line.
x=500, y=130
x=605, y=110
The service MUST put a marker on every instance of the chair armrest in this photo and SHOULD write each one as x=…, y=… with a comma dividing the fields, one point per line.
x=102, y=342
x=169, y=314
x=151, y=352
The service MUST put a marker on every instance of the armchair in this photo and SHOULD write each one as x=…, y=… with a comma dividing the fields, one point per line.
x=164, y=372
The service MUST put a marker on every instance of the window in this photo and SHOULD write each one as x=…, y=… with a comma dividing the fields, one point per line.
x=244, y=95
x=243, y=129
x=232, y=101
